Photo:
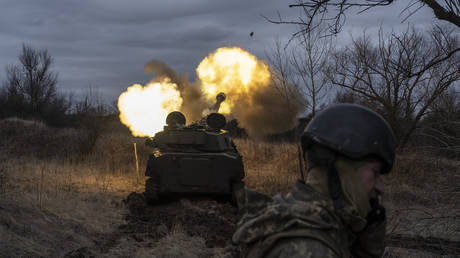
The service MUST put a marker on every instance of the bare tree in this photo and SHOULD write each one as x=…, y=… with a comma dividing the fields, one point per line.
x=299, y=69
x=440, y=129
x=308, y=61
x=382, y=74
x=38, y=82
x=30, y=87
x=282, y=75
x=13, y=101
x=333, y=12
x=33, y=78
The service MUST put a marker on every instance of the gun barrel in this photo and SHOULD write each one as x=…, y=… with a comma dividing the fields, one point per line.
x=219, y=99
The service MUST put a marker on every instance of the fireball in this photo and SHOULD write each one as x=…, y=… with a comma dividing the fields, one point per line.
x=233, y=71
x=144, y=109
x=240, y=75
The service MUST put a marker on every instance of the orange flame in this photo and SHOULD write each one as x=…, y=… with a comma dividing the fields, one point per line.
x=144, y=109
x=233, y=71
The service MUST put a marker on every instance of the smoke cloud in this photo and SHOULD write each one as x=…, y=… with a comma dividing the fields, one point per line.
x=252, y=97
x=193, y=102
x=265, y=112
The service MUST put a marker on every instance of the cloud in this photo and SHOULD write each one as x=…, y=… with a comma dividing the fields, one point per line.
x=107, y=43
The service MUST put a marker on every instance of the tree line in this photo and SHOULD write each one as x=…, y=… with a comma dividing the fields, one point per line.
x=30, y=91
x=411, y=78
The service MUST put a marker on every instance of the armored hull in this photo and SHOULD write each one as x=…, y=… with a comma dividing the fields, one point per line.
x=195, y=159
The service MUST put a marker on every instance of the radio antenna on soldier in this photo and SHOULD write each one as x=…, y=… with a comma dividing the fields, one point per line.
x=301, y=164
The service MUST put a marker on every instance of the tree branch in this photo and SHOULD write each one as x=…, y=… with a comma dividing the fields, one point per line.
x=441, y=13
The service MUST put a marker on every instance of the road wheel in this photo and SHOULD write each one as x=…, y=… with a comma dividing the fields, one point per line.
x=152, y=189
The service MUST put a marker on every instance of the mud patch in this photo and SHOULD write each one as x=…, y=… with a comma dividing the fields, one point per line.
x=213, y=221
x=198, y=227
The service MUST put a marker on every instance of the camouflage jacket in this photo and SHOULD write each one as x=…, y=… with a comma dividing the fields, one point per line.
x=300, y=224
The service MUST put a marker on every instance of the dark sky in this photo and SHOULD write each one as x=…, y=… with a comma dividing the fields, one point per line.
x=105, y=44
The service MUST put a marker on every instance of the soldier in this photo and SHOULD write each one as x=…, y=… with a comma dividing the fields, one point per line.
x=337, y=211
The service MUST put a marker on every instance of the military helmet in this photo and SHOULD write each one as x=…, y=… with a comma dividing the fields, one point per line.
x=353, y=131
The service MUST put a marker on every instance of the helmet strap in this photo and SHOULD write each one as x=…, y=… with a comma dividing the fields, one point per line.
x=335, y=187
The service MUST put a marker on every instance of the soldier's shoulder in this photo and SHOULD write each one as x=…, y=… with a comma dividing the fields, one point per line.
x=251, y=202
x=301, y=214
x=270, y=215
x=300, y=247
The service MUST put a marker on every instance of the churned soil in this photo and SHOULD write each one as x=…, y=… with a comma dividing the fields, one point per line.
x=213, y=221
x=207, y=226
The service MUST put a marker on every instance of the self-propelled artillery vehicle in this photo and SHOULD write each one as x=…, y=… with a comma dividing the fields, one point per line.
x=198, y=159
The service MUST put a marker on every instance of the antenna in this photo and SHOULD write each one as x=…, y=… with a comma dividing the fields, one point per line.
x=301, y=164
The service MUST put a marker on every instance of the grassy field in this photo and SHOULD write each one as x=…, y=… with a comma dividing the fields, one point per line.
x=45, y=169
x=270, y=167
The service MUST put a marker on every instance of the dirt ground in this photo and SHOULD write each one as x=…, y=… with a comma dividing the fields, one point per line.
x=209, y=223
x=213, y=221
x=61, y=206
x=181, y=228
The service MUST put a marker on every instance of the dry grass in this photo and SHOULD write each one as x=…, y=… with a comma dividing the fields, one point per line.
x=270, y=167
x=423, y=196
x=176, y=243
x=78, y=192
x=33, y=138
x=423, y=179
x=422, y=191
x=87, y=188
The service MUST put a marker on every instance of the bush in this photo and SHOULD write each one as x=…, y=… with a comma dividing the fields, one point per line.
x=35, y=139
